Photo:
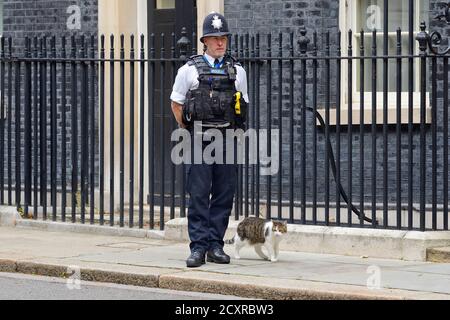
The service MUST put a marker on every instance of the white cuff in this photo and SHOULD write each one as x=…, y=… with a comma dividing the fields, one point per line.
x=177, y=97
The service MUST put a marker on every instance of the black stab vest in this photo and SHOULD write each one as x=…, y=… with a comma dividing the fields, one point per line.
x=213, y=101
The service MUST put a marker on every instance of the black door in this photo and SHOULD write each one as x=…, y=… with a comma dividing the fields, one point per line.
x=166, y=17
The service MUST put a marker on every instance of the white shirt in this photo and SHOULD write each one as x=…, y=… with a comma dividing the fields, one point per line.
x=187, y=79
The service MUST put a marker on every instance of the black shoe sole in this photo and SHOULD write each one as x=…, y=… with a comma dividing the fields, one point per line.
x=195, y=265
x=217, y=261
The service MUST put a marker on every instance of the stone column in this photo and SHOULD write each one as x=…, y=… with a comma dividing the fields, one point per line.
x=205, y=7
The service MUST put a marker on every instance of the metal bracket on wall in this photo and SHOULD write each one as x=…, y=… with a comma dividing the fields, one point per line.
x=444, y=15
x=430, y=41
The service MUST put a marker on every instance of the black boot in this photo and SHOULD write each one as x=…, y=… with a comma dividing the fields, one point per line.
x=217, y=255
x=196, y=259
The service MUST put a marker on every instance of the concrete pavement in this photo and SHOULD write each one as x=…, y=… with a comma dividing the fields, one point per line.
x=159, y=263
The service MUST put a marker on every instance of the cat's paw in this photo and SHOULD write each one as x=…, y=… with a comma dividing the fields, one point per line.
x=273, y=260
x=237, y=257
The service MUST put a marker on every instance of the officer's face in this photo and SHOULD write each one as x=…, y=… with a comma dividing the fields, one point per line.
x=216, y=46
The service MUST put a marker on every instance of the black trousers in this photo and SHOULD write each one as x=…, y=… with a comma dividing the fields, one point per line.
x=211, y=188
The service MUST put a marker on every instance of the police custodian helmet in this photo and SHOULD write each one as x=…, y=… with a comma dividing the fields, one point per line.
x=215, y=25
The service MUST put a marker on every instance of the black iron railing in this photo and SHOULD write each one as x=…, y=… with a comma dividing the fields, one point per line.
x=74, y=103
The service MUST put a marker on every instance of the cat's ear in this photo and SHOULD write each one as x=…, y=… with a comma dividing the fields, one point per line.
x=285, y=223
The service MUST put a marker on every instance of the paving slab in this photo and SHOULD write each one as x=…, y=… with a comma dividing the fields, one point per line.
x=161, y=263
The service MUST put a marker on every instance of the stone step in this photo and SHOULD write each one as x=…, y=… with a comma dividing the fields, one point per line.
x=439, y=255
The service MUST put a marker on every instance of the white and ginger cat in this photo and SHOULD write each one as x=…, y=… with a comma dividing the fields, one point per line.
x=259, y=233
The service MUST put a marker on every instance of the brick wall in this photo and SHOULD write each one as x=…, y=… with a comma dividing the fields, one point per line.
x=39, y=18
x=323, y=16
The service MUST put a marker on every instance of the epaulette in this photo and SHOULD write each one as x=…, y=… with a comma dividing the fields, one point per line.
x=198, y=59
x=195, y=59
x=203, y=67
x=230, y=58
x=233, y=60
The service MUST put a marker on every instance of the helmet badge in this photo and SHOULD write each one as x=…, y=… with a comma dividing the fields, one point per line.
x=217, y=23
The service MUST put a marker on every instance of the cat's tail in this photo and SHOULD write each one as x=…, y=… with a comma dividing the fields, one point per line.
x=230, y=241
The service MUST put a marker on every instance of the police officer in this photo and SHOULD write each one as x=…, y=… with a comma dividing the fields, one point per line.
x=210, y=88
